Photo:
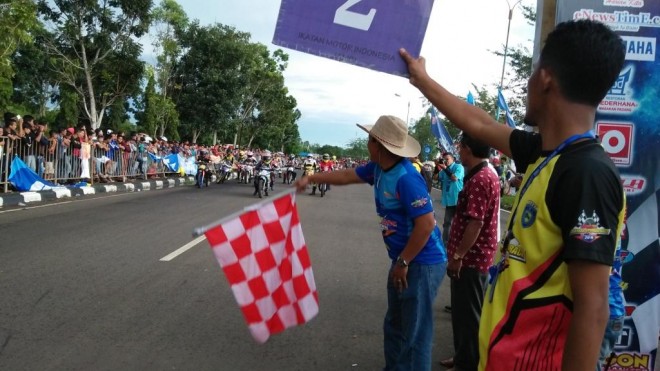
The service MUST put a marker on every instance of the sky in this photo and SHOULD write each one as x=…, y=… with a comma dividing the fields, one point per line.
x=334, y=96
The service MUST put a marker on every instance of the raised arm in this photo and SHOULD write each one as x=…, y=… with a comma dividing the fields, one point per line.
x=471, y=119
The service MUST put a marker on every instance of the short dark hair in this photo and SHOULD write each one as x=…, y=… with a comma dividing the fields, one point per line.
x=585, y=57
x=479, y=149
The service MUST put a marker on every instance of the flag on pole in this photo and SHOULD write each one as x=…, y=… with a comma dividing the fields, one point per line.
x=440, y=132
x=262, y=252
x=501, y=104
x=470, y=98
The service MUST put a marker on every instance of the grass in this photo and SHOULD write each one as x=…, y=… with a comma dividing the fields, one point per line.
x=506, y=202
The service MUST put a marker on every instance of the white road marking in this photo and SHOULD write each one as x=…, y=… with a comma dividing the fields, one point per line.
x=183, y=249
x=34, y=207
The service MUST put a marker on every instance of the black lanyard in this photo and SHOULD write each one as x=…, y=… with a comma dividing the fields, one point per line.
x=495, y=270
x=588, y=135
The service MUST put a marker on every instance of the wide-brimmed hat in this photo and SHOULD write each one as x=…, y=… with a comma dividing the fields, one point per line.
x=392, y=133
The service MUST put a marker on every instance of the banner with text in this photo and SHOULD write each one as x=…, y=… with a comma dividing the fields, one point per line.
x=365, y=33
x=628, y=123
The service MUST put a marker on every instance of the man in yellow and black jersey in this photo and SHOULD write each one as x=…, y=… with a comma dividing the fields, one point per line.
x=546, y=306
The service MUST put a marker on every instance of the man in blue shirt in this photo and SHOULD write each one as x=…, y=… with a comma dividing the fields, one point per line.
x=450, y=175
x=411, y=237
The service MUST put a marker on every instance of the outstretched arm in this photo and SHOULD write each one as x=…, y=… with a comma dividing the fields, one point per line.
x=473, y=120
x=340, y=177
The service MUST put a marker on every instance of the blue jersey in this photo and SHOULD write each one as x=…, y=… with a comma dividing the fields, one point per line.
x=401, y=196
x=451, y=188
x=617, y=303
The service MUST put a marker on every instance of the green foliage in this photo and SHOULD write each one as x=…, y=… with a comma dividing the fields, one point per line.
x=357, y=149
x=34, y=83
x=94, y=49
x=17, y=19
x=230, y=86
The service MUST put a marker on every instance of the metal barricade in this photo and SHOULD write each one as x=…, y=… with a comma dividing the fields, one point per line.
x=62, y=162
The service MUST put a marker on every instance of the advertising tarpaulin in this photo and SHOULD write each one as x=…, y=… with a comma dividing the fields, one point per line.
x=365, y=33
x=628, y=123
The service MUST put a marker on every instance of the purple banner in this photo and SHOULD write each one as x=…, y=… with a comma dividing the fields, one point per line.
x=365, y=33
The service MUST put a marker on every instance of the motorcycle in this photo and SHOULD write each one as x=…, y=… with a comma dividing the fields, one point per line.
x=289, y=175
x=203, y=176
x=262, y=180
x=246, y=173
x=225, y=172
x=323, y=187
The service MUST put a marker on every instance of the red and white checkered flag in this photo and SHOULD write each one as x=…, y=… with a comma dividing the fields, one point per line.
x=263, y=254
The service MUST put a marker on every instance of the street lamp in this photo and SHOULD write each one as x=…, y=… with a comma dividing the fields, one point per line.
x=407, y=112
x=506, y=45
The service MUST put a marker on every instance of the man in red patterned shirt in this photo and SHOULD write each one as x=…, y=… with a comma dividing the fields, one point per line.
x=472, y=244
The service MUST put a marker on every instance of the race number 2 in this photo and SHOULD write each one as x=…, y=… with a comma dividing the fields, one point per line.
x=347, y=18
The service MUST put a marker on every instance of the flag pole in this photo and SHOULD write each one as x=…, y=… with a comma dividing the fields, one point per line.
x=201, y=230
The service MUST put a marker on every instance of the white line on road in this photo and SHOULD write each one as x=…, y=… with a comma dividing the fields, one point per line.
x=23, y=208
x=183, y=249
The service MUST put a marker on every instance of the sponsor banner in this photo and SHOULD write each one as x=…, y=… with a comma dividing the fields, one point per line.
x=366, y=33
x=617, y=139
x=627, y=122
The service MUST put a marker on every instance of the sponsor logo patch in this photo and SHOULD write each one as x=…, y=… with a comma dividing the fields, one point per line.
x=588, y=228
x=420, y=202
x=529, y=214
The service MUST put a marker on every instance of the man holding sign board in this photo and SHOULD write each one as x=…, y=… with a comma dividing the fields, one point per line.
x=546, y=305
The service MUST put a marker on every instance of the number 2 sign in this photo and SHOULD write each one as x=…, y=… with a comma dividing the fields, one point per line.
x=365, y=33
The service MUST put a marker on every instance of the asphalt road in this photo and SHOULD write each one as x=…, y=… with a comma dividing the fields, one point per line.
x=82, y=286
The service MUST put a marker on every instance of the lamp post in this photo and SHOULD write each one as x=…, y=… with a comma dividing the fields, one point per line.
x=408, y=111
x=506, y=45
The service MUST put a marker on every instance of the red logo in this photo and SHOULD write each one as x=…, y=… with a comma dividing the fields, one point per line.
x=633, y=185
x=617, y=140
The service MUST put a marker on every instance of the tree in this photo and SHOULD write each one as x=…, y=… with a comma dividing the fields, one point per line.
x=357, y=149
x=208, y=78
x=34, y=85
x=17, y=19
x=170, y=24
x=95, y=49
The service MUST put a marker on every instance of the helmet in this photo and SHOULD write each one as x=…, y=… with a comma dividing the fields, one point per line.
x=326, y=156
x=292, y=156
x=265, y=155
x=250, y=154
x=309, y=155
x=334, y=157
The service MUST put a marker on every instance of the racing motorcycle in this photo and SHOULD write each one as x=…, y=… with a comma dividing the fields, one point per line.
x=225, y=172
x=246, y=172
x=289, y=175
x=203, y=176
x=262, y=181
x=323, y=187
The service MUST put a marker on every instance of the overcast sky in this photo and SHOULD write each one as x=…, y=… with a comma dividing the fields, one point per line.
x=334, y=96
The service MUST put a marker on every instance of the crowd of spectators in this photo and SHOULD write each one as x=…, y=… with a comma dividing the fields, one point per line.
x=69, y=155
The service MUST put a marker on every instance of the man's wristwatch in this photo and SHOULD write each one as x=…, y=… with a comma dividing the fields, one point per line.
x=457, y=256
x=401, y=262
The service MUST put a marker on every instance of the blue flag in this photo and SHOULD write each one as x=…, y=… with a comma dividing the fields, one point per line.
x=440, y=132
x=172, y=162
x=25, y=179
x=502, y=105
x=470, y=98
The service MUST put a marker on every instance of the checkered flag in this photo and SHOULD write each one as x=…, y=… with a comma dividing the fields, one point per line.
x=263, y=254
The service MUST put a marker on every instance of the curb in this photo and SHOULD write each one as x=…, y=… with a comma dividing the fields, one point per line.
x=24, y=198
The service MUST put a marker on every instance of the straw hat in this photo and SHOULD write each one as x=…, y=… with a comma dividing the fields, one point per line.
x=392, y=133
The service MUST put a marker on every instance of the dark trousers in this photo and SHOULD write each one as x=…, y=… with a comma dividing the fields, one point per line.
x=467, y=296
x=450, y=211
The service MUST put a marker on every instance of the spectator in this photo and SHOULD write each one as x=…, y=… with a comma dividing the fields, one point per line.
x=450, y=176
x=472, y=245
